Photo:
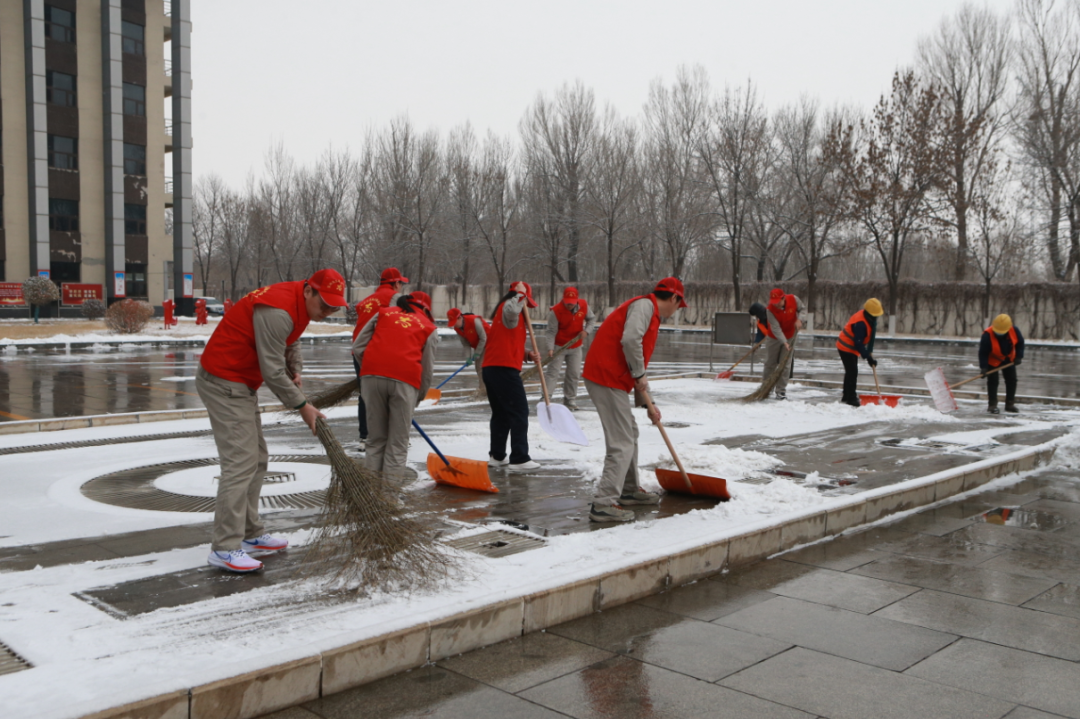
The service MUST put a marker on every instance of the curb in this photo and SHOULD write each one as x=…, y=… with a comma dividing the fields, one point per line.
x=336, y=669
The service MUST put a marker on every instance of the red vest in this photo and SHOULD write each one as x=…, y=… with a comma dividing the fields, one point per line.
x=367, y=307
x=230, y=353
x=606, y=364
x=570, y=323
x=396, y=349
x=846, y=341
x=996, y=358
x=787, y=316
x=468, y=329
x=505, y=346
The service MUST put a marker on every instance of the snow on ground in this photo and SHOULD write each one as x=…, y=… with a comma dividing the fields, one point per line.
x=155, y=332
x=101, y=661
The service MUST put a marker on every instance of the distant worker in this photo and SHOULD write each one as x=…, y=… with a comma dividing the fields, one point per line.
x=396, y=355
x=1001, y=344
x=390, y=285
x=616, y=365
x=256, y=342
x=783, y=320
x=472, y=330
x=857, y=340
x=565, y=322
x=503, y=357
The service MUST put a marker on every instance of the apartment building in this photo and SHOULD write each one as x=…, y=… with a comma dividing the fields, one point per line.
x=84, y=146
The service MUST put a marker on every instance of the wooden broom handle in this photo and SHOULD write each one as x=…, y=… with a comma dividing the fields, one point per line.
x=876, y=383
x=980, y=376
x=532, y=338
x=745, y=356
x=667, y=440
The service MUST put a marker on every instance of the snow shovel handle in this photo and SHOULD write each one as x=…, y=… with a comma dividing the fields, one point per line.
x=667, y=440
x=980, y=376
x=876, y=383
x=452, y=376
x=430, y=443
x=732, y=368
x=532, y=338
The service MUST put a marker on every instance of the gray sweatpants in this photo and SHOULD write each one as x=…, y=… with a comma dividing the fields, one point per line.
x=390, y=406
x=620, y=473
x=237, y=425
x=774, y=352
x=572, y=359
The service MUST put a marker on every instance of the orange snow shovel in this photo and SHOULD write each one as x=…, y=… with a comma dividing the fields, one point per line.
x=435, y=393
x=455, y=471
x=890, y=400
x=681, y=481
x=729, y=373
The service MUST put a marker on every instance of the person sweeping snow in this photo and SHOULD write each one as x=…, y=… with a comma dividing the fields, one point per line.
x=857, y=340
x=255, y=343
x=783, y=321
x=396, y=354
x=472, y=330
x=503, y=357
x=616, y=365
x=565, y=321
x=1001, y=344
x=390, y=285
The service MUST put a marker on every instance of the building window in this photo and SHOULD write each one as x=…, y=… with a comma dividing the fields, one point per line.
x=135, y=280
x=134, y=99
x=63, y=215
x=132, y=37
x=134, y=159
x=134, y=219
x=59, y=24
x=63, y=152
x=60, y=88
x=64, y=272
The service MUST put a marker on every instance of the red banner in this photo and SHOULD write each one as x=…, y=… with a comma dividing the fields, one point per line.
x=72, y=293
x=11, y=294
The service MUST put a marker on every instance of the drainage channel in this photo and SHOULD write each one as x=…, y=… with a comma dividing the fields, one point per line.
x=11, y=662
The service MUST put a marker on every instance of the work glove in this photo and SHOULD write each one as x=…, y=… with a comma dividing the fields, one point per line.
x=469, y=362
x=1016, y=363
x=871, y=361
x=983, y=371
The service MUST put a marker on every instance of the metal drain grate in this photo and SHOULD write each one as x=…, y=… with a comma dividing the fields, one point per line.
x=755, y=480
x=103, y=442
x=938, y=444
x=11, y=662
x=134, y=488
x=497, y=543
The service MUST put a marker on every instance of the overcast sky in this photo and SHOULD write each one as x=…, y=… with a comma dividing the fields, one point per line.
x=319, y=73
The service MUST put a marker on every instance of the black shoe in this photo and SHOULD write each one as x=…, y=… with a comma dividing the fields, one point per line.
x=851, y=402
x=781, y=395
x=1012, y=408
x=992, y=409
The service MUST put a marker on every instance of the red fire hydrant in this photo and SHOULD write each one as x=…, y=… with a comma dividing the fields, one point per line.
x=200, y=311
x=170, y=321
x=228, y=306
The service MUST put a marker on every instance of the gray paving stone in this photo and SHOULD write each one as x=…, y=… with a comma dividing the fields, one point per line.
x=1064, y=599
x=1052, y=544
x=689, y=646
x=956, y=579
x=847, y=551
x=1029, y=713
x=843, y=689
x=706, y=600
x=429, y=692
x=1031, y=564
x=869, y=639
x=939, y=521
x=1013, y=675
x=628, y=689
x=953, y=548
x=822, y=586
x=291, y=713
x=1002, y=624
x=1069, y=510
x=526, y=661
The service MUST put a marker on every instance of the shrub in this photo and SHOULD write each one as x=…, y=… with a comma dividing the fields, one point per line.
x=40, y=290
x=93, y=309
x=128, y=316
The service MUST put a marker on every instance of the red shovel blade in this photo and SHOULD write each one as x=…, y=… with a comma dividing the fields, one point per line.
x=700, y=485
x=726, y=374
x=889, y=400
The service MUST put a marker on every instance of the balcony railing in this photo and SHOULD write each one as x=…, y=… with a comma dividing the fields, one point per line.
x=168, y=8
x=168, y=68
x=168, y=187
x=168, y=128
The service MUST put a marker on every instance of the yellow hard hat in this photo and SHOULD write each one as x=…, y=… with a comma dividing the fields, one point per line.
x=873, y=306
x=1001, y=324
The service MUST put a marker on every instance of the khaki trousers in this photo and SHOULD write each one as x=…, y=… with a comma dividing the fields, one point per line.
x=572, y=359
x=237, y=425
x=774, y=352
x=620, y=473
x=390, y=406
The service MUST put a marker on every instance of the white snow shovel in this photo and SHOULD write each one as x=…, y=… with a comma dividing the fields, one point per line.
x=555, y=419
x=942, y=392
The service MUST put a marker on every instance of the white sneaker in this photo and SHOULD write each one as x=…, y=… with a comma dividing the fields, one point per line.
x=361, y=446
x=523, y=467
x=235, y=561
x=265, y=543
x=492, y=462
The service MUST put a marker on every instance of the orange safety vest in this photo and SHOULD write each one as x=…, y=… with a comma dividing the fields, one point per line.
x=606, y=364
x=570, y=323
x=367, y=307
x=396, y=349
x=468, y=329
x=505, y=346
x=996, y=358
x=787, y=316
x=230, y=353
x=846, y=341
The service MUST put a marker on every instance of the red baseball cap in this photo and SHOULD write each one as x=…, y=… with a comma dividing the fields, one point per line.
x=674, y=285
x=453, y=314
x=528, y=294
x=330, y=285
x=570, y=293
x=392, y=274
x=776, y=294
x=423, y=298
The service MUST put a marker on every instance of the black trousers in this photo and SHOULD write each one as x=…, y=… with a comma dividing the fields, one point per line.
x=1010, y=386
x=361, y=409
x=509, y=413
x=851, y=376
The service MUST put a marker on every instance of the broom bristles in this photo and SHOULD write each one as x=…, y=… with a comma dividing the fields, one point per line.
x=367, y=540
x=533, y=371
x=769, y=382
x=335, y=395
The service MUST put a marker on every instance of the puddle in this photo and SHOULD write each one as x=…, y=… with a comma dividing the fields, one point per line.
x=1022, y=518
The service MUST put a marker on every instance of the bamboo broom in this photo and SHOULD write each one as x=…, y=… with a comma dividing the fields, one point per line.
x=769, y=382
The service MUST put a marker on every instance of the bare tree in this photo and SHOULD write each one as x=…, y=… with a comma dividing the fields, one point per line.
x=463, y=175
x=206, y=222
x=496, y=211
